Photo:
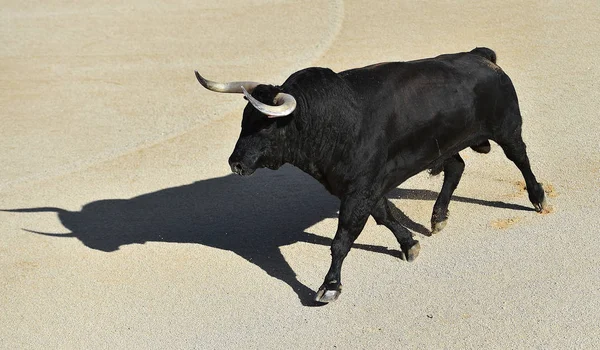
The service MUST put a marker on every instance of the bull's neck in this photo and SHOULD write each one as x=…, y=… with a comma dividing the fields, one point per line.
x=314, y=143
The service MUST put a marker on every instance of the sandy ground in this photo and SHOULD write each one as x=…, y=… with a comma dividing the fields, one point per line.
x=115, y=149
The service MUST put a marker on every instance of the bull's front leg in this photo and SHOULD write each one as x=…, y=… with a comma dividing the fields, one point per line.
x=354, y=213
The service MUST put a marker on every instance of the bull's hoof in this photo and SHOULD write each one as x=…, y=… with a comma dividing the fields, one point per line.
x=541, y=207
x=325, y=295
x=439, y=218
x=411, y=252
x=437, y=227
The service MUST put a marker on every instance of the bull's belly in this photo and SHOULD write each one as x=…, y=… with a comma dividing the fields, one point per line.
x=410, y=163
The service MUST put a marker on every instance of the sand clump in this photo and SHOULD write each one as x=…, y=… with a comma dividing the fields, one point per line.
x=506, y=223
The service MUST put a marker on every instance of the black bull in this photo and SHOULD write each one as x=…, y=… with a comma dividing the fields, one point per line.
x=362, y=132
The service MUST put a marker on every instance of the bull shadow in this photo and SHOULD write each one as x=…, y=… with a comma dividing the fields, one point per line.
x=251, y=217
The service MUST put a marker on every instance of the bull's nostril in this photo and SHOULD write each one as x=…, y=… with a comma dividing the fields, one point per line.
x=236, y=168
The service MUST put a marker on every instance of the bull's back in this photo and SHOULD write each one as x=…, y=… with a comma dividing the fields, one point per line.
x=427, y=109
x=425, y=84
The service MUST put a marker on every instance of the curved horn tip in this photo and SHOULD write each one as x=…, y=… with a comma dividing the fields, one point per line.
x=244, y=91
x=201, y=80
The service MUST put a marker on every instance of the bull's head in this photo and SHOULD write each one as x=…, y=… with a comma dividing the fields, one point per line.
x=263, y=129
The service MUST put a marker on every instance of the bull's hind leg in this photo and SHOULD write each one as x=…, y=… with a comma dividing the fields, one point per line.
x=453, y=170
x=514, y=148
x=383, y=215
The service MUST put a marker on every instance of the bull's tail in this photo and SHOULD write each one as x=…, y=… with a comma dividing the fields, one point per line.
x=485, y=53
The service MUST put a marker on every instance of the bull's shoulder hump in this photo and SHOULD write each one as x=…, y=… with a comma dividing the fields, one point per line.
x=310, y=75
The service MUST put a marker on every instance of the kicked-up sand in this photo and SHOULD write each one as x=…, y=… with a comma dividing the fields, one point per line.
x=133, y=234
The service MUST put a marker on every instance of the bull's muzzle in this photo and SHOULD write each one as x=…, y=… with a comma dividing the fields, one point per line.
x=240, y=168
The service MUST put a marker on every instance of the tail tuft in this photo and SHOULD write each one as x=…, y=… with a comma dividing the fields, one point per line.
x=485, y=53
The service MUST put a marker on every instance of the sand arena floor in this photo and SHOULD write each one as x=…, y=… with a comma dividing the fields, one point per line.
x=121, y=156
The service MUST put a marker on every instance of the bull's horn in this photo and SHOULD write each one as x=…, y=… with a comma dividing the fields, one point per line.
x=232, y=87
x=285, y=104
